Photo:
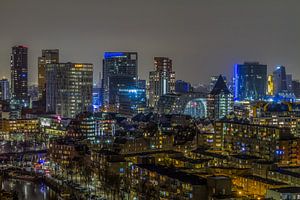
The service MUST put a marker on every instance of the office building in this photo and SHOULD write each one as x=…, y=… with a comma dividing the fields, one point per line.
x=279, y=76
x=182, y=87
x=289, y=83
x=49, y=56
x=69, y=88
x=220, y=100
x=162, y=80
x=118, y=68
x=250, y=81
x=4, y=90
x=19, y=75
x=296, y=88
x=270, y=85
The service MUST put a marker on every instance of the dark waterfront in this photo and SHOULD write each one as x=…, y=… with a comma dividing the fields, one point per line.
x=29, y=190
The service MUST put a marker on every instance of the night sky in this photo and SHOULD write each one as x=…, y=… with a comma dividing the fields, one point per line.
x=203, y=38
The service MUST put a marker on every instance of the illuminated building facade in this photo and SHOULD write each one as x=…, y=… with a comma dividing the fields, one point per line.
x=270, y=87
x=19, y=75
x=28, y=127
x=279, y=76
x=283, y=115
x=161, y=81
x=193, y=104
x=53, y=125
x=251, y=139
x=120, y=71
x=4, y=90
x=250, y=81
x=49, y=56
x=69, y=88
x=220, y=100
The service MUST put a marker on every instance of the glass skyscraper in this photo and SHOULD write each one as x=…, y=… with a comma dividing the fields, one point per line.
x=4, y=90
x=279, y=77
x=250, y=81
x=48, y=56
x=19, y=75
x=120, y=71
x=69, y=88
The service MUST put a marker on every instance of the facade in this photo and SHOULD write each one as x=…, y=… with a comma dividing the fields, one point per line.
x=250, y=139
x=279, y=76
x=161, y=81
x=270, y=86
x=193, y=104
x=120, y=71
x=4, y=90
x=283, y=193
x=283, y=115
x=69, y=88
x=296, y=88
x=250, y=81
x=289, y=83
x=28, y=127
x=220, y=100
x=49, y=56
x=182, y=87
x=19, y=75
x=213, y=81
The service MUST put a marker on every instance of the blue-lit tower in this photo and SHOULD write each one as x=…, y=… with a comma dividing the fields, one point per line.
x=279, y=78
x=19, y=75
x=250, y=81
x=120, y=72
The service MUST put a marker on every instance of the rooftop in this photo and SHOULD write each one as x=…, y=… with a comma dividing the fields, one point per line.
x=175, y=174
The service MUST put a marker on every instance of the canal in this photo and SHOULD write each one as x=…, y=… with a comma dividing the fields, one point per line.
x=27, y=190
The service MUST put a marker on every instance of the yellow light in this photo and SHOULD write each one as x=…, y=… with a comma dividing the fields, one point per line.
x=78, y=65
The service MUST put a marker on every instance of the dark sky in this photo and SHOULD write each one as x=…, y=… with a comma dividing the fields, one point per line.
x=203, y=38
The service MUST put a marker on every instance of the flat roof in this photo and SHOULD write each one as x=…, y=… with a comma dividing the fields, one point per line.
x=287, y=189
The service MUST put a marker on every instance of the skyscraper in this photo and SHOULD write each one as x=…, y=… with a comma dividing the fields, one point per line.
x=120, y=71
x=69, y=88
x=19, y=75
x=296, y=88
x=4, y=89
x=279, y=77
x=289, y=83
x=270, y=85
x=162, y=80
x=250, y=81
x=182, y=86
x=49, y=56
x=220, y=100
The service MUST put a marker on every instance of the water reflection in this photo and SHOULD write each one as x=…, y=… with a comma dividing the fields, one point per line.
x=29, y=190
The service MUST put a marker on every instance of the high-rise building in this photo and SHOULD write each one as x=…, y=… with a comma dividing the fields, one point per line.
x=270, y=85
x=250, y=81
x=220, y=100
x=49, y=56
x=296, y=88
x=289, y=83
x=182, y=87
x=120, y=71
x=162, y=80
x=213, y=81
x=69, y=88
x=19, y=75
x=4, y=89
x=279, y=76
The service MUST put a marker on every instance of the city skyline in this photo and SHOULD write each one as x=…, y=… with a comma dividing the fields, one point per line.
x=266, y=32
